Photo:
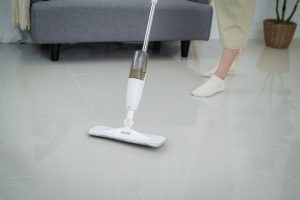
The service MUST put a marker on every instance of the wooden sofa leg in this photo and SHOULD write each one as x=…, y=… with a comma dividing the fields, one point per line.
x=185, y=46
x=54, y=51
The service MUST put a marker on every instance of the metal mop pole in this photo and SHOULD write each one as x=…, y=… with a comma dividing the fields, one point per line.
x=149, y=26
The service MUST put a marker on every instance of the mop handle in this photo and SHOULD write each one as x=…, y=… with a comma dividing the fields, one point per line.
x=150, y=20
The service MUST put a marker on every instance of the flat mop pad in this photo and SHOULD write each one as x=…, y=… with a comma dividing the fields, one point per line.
x=132, y=137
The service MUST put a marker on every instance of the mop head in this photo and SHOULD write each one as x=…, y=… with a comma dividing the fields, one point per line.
x=132, y=137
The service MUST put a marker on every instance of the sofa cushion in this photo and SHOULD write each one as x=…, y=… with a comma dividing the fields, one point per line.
x=71, y=21
x=128, y=1
x=120, y=3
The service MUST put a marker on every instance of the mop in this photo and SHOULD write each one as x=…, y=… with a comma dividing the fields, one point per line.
x=135, y=86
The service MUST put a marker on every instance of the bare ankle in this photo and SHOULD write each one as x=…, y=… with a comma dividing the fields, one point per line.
x=228, y=57
x=221, y=75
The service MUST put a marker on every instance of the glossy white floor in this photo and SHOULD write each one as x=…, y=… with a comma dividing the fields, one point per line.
x=243, y=144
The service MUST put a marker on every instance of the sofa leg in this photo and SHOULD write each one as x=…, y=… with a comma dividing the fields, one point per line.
x=54, y=51
x=185, y=46
x=156, y=47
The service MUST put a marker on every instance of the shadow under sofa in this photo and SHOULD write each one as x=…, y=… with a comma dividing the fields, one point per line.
x=57, y=22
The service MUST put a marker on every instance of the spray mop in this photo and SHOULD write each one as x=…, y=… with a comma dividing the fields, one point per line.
x=135, y=87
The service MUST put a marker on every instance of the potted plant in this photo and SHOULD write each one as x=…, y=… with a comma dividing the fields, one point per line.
x=279, y=32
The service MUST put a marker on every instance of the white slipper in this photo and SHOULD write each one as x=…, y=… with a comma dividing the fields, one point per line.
x=211, y=87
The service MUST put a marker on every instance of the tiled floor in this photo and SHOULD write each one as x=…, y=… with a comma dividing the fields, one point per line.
x=239, y=145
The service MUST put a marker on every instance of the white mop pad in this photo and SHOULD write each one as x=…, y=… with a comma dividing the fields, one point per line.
x=132, y=137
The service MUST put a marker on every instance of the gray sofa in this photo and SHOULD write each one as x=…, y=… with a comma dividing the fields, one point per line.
x=56, y=22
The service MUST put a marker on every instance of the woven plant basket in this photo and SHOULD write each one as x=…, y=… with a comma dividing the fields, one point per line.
x=278, y=35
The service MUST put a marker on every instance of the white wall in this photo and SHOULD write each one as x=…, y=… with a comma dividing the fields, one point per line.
x=264, y=9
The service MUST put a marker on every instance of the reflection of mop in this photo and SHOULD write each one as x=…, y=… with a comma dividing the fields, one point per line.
x=135, y=88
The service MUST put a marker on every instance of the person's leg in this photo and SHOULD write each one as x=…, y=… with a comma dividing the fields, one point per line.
x=234, y=21
x=227, y=59
x=226, y=56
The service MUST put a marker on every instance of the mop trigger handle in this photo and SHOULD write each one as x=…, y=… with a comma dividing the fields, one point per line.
x=150, y=20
